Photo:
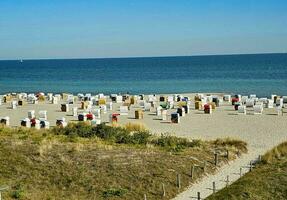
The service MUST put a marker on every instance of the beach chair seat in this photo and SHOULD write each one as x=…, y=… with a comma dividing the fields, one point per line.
x=61, y=122
x=82, y=117
x=175, y=118
x=139, y=114
x=181, y=111
x=65, y=107
x=5, y=121
x=45, y=124
x=26, y=123
x=250, y=103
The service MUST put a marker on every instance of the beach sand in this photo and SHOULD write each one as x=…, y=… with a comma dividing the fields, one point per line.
x=261, y=132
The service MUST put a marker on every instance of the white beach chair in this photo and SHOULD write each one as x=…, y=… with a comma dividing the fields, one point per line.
x=70, y=99
x=109, y=106
x=270, y=103
x=65, y=107
x=45, y=124
x=14, y=105
x=158, y=111
x=244, y=99
x=119, y=99
x=258, y=109
x=124, y=110
x=249, y=103
x=273, y=96
x=75, y=111
x=43, y=115
x=37, y=124
x=5, y=121
x=55, y=100
x=242, y=110
x=227, y=98
x=26, y=123
x=147, y=106
x=61, y=122
x=31, y=114
x=164, y=115
x=103, y=109
x=279, y=102
x=50, y=97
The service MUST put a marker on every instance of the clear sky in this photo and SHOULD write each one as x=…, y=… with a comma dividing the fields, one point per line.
x=124, y=28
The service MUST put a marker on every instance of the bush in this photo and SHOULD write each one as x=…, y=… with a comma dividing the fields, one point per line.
x=18, y=192
x=112, y=192
x=172, y=142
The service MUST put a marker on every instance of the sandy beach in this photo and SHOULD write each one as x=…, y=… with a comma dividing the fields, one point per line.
x=261, y=132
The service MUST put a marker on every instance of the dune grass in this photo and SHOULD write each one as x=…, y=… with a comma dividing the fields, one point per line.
x=84, y=162
x=267, y=181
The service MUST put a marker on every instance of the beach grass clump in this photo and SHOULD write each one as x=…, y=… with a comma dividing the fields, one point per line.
x=277, y=153
x=175, y=143
x=131, y=127
x=230, y=142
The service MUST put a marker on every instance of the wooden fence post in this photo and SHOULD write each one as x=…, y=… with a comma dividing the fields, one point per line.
x=215, y=159
x=163, y=189
x=227, y=180
x=192, y=171
x=198, y=196
x=145, y=197
x=250, y=169
x=178, y=180
x=227, y=154
x=213, y=187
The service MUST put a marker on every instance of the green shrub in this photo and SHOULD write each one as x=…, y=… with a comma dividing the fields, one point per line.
x=18, y=192
x=112, y=192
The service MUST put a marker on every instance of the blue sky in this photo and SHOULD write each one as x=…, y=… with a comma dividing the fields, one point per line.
x=124, y=28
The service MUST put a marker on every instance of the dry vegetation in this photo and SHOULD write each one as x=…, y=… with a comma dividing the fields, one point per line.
x=84, y=162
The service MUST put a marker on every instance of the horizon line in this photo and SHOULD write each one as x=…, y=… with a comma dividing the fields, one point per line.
x=129, y=57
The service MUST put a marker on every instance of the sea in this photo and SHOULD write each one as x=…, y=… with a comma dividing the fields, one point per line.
x=260, y=74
